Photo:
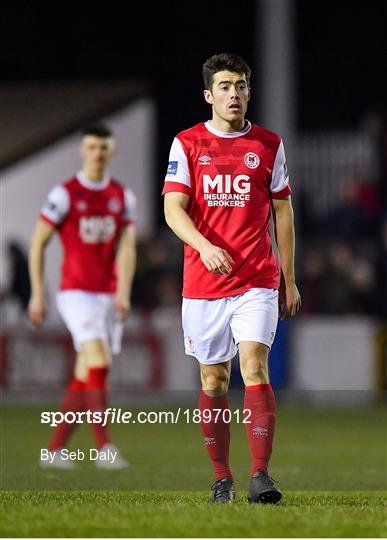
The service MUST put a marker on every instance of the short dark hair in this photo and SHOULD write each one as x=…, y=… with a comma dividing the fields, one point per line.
x=224, y=62
x=98, y=130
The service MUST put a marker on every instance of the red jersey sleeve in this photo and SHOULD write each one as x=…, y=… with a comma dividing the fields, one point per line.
x=130, y=213
x=56, y=207
x=178, y=177
x=280, y=185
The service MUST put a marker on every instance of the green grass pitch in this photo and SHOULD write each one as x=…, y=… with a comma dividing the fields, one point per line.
x=331, y=465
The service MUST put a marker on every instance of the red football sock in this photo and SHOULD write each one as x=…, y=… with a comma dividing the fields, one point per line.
x=74, y=401
x=260, y=399
x=96, y=400
x=216, y=434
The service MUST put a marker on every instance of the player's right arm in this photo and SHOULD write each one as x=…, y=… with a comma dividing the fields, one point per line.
x=41, y=236
x=177, y=193
x=215, y=259
x=53, y=213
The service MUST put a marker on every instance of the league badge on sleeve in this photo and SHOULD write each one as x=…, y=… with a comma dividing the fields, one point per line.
x=50, y=206
x=172, y=168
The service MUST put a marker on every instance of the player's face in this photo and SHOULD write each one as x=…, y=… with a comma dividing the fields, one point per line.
x=97, y=151
x=228, y=96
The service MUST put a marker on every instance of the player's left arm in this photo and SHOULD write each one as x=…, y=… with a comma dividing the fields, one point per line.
x=126, y=266
x=289, y=297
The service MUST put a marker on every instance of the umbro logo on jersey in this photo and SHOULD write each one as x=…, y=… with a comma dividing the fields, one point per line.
x=204, y=160
x=81, y=205
x=251, y=160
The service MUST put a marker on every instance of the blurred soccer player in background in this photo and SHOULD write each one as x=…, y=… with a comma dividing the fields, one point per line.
x=94, y=216
x=223, y=177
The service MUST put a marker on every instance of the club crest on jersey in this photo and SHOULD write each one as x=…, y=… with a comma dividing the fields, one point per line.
x=114, y=205
x=251, y=160
x=204, y=160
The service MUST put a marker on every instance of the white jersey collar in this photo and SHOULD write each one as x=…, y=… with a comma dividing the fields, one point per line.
x=95, y=186
x=226, y=134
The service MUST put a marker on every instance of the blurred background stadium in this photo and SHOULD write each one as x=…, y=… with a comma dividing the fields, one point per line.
x=319, y=81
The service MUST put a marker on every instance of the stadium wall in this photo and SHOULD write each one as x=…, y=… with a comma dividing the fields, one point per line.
x=327, y=357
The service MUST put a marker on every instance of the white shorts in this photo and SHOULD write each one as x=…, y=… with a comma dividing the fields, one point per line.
x=213, y=328
x=90, y=316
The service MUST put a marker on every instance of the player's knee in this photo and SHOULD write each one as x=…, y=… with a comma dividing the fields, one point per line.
x=254, y=364
x=81, y=369
x=96, y=354
x=256, y=373
x=98, y=361
x=215, y=383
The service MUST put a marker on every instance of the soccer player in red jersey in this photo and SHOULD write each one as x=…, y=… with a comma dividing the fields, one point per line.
x=223, y=178
x=94, y=216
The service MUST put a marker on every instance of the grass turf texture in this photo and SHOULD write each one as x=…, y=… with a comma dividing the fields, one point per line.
x=342, y=451
x=188, y=514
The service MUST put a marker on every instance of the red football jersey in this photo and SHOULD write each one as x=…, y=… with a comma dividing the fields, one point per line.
x=89, y=217
x=231, y=179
